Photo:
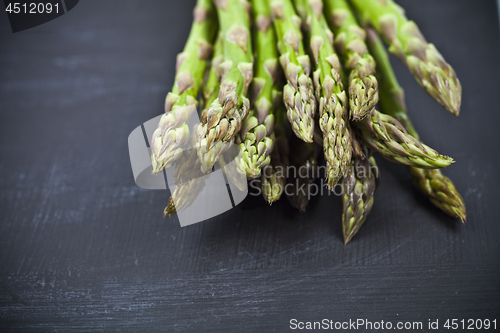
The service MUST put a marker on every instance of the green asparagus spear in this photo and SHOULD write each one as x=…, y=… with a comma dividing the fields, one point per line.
x=437, y=187
x=236, y=176
x=189, y=180
x=350, y=43
x=406, y=42
x=387, y=136
x=298, y=93
x=221, y=122
x=172, y=133
x=188, y=175
x=273, y=178
x=333, y=106
x=211, y=87
x=359, y=185
x=254, y=140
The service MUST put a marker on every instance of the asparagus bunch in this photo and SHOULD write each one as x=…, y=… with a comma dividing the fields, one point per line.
x=172, y=133
x=298, y=93
x=360, y=65
x=359, y=185
x=437, y=187
x=350, y=128
x=221, y=121
x=255, y=138
x=406, y=42
x=333, y=106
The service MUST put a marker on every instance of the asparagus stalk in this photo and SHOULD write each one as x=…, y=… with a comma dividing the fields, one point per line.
x=387, y=136
x=233, y=174
x=350, y=43
x=255, y=140
x=333, y=105
x=273, y=178
x=188, y=175
x=359, y=185
x=221, y=122
x=437, y=187
x=298, y=93
x=189, y=180
x=172, y=134
x=211, y=87
x=406, y=42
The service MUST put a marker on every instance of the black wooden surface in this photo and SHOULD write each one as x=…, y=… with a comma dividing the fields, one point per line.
x=83, y=248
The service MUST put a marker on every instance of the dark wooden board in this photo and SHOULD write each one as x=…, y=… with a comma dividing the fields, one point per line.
x=83, y=248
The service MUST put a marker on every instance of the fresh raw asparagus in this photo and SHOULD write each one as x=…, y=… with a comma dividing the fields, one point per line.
x=298, y=93
x=189, y=180
x=350, y=128
x=441, y=191
x=172, y=133
x=387, y=136
x=437, y=187
x=234, y=175
x=255, y=140
x=211, y=87
x=359, y=185
x=188, y=175
x=350, y=43
x=406, y=42
x=273, y=178
x=333, y=105
x=222, y=120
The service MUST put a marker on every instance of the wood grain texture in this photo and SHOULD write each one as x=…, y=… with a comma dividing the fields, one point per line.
x=82, y=248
